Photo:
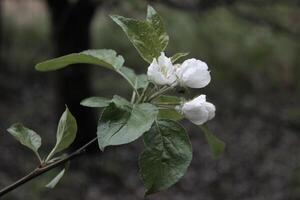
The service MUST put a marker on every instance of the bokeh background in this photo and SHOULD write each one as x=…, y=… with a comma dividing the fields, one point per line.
x=252, y=48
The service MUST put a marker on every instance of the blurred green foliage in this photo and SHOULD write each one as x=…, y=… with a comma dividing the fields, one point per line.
x=245, y=54
x=242, y=54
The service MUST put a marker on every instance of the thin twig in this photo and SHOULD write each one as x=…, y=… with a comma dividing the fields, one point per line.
x=162, y=91
x=42, y=169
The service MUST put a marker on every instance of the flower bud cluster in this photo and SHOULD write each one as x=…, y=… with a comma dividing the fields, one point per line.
x=191, y=73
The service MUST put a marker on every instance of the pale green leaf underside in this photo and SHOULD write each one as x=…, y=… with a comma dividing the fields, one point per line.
x=148, y=36
x=103, y=57
x=177, y=56
x=167, y=155
x=216, y=145
x=141, y=81
x=26, y=136
x=96, y=102
x=104, y=102
x=136, y=81
x=56, y=179
x=122, y=123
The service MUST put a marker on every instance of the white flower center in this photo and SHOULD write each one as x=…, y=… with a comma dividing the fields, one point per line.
x=164, y=70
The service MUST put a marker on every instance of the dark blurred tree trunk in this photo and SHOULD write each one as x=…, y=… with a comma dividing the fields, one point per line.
x=2, y=67
x=1, y=13
x=71, y=33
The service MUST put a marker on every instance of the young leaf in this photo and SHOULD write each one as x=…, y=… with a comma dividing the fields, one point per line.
x=26, y=137
x=122, y=123
x=169, y=114
x=66, y=133
x=97, y=102
x=148, y=37
x=175, y=57
x=104, y=57
x=56, y=179
x=121, y=103
x=168, y=99
x=141, y=81
x=216, y=145
x=167, y=155
x=137, y=81
x=100, y=102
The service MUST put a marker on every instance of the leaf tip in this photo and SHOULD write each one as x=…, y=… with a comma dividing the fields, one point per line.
x=38, y=67
x=14, y=126
x=56, y=179
x=217, y=153
x=41, y=67
x=150, y=8
x=82, y=102
x=216, y=145
x=115, y=18
x=67, y=108
x=112, y=16
x=101, y=145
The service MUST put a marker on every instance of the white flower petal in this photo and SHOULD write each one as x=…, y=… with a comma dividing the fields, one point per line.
x=198, y=110
x=197, y=78
x=198, y=100
x=211, y=109
x=197, y=115
x=161, y=71
x=193, y=73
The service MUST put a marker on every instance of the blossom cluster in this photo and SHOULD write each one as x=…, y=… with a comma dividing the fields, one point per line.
x=191, y=73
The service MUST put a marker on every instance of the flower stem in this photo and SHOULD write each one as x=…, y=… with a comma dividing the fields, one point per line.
x=133, y=96
x=142, y=96
x=161, y=91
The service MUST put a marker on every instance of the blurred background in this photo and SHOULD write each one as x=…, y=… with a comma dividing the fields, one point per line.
x=252, y=48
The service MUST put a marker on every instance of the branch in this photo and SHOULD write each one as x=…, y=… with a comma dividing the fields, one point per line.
x=42, y=169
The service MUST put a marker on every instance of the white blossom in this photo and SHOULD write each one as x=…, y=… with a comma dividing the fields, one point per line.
x=161, y=71
x=198, y=110
x=193, y=73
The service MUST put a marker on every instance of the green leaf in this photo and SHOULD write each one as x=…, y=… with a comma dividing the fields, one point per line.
x=96, y=102
x=216, y=145
x=177, y=56
x=137, y=81
x=56, y=179
x=104, y=102
x=169, y=114
x=121, y=103
x=122, y=122
x=104, y=57
x=26, y=137
x=167, y=155
x=141, y=81
x=128, y=74
x=66, y=133
x=168, y=99
x=148, y=36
